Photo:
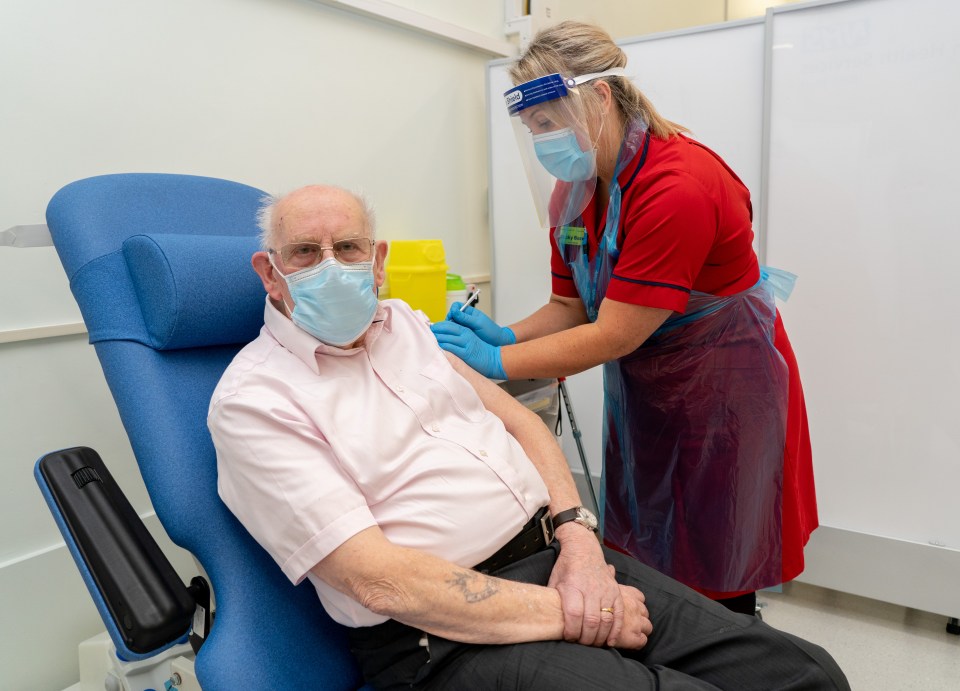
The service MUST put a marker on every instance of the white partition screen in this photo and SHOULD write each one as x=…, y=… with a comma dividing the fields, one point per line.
x=862, y=205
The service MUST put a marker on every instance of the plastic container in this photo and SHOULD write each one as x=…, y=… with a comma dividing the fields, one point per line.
x=542, y=396
x=417, y=273
x=456, y=290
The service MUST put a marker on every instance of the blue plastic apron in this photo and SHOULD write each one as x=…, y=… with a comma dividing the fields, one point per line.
x=694, y=426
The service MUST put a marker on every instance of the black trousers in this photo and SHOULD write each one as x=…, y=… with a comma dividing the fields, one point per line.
x=695, y=644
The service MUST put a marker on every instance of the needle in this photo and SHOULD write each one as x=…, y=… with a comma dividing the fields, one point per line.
x=472, y=300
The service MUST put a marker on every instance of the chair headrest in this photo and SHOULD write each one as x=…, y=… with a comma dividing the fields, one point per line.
x=195, y=290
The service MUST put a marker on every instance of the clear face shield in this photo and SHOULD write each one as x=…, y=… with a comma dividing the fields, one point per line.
x=551, y=123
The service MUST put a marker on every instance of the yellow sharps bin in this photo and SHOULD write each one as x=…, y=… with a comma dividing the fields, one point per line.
x=417, y=274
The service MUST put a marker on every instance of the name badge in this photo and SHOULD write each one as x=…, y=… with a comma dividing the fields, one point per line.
x=572, y=235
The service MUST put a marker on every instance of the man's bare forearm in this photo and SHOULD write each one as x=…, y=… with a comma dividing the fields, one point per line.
x=439, y=597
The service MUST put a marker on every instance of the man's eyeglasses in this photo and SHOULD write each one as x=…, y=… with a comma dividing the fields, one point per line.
x=303, y=255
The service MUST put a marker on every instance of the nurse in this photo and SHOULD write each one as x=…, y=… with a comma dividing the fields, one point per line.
x=707, y=471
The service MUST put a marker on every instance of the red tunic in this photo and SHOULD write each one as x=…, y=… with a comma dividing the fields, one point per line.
x=686, y=224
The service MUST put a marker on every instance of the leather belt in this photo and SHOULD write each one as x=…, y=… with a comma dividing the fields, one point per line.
x=533, y=537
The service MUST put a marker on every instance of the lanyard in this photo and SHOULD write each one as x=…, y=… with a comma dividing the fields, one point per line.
x=592, y=277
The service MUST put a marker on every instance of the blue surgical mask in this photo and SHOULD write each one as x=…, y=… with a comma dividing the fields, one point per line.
x=332, y=301
x=561, y=155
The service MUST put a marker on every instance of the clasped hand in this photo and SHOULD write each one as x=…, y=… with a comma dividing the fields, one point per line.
x=588, y=588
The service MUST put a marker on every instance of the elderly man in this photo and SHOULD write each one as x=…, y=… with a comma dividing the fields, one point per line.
x=435, y=515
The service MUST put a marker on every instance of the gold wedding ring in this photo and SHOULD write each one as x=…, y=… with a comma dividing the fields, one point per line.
x=607, y=609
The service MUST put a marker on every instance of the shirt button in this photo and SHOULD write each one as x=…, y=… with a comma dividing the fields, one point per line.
x=399, y=389
x=435, y=428
x=483, y=453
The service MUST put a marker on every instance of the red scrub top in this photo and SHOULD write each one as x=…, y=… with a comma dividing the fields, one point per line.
x=686, y=224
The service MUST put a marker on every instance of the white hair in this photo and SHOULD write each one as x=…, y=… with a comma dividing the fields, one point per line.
x=269, y=203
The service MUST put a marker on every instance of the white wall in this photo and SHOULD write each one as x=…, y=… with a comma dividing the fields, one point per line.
x=272, y=93
x=624, y=19
x=638, y=17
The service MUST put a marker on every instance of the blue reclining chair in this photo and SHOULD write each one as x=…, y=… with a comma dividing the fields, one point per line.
x=160, y=267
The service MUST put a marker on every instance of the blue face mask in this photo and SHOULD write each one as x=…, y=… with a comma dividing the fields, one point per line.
x=561, y=155
x=332, y=301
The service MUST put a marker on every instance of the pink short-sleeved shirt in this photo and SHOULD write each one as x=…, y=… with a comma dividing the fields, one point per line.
x=315, y=444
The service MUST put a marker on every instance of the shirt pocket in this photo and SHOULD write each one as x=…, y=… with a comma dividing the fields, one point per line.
x=448, y=392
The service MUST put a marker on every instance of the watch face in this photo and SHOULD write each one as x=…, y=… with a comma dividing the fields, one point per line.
x=586, y=518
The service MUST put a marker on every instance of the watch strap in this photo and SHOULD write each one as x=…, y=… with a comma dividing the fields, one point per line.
x=569, y=515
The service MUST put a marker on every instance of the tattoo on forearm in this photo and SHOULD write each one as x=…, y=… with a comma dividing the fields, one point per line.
x=474, y=586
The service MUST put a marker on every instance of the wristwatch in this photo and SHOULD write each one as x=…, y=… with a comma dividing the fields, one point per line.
x=578, y=514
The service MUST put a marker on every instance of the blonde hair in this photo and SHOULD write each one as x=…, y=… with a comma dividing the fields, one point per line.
x=574, y=48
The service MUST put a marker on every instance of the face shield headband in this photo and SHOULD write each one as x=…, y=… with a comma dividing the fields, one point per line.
x=558, y=153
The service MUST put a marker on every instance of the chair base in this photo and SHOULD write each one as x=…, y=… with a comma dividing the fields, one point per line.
x=100, y=668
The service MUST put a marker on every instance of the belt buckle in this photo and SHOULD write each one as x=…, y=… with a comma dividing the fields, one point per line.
x=546, y=525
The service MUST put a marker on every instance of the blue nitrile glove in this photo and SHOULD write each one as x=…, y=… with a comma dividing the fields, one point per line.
x=470, y=348
x=482, y=325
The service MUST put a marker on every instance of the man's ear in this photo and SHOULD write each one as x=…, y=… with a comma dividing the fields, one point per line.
x=379, y=261
x=269, y=276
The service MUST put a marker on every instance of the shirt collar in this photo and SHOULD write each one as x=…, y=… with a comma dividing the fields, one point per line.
x=307, y=347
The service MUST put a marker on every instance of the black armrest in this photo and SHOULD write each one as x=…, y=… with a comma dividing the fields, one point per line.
x=148, y=605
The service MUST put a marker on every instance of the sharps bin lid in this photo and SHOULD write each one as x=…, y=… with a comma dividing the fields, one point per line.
x=408, y=253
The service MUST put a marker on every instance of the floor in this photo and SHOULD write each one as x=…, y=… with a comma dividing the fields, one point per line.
x=880, y=647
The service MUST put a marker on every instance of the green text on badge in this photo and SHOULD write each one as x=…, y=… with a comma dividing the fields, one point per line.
x=572, y=235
